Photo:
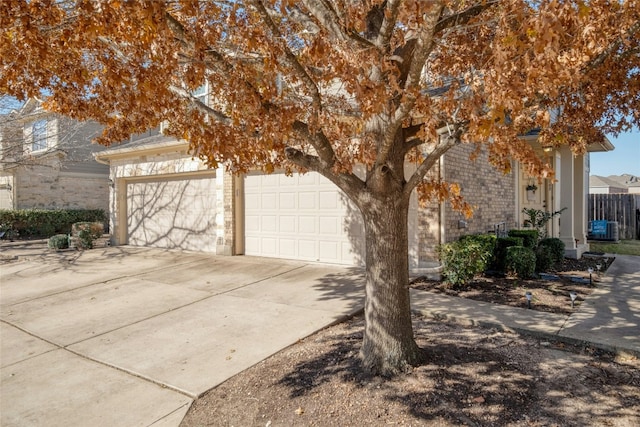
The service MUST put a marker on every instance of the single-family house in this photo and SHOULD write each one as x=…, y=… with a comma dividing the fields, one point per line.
x=163, y=197
x=46, y=161
x=614, y=184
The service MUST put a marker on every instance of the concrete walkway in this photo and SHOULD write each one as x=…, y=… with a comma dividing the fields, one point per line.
x=609, y=318
x=130, y=336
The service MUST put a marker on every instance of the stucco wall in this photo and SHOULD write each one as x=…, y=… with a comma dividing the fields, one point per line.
x=491, y=192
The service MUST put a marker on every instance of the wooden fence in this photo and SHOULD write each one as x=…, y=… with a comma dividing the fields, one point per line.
x=624, y=208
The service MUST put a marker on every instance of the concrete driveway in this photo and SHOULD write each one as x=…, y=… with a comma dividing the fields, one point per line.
x=129, y=336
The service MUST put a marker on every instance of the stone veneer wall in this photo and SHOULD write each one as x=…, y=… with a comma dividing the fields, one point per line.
x=46, y=187
x=491, y=192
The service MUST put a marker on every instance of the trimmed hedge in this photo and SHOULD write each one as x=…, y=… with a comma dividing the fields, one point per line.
x=521, y=261
x=556, y=246
x=45, y=223
x=486, y=241
x=529, y=237
x=500, y=252
x=544, y=258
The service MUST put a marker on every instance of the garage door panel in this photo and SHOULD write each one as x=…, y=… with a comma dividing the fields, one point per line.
x=252, y=201
x=330, y=225
x=269, y=224
x=176, y=214
x=312, y=219
x=269, y=201
x=252, y=223
x=307, y=225
x=310, y=179
x=287, y=224
x=307, y=200
x=287, y=201
x=269, y=246
x=307, y=250
x=329, y=250
x=329, y=200
x=287, y=247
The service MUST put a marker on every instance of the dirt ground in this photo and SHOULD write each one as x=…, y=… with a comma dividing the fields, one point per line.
x=474, y=377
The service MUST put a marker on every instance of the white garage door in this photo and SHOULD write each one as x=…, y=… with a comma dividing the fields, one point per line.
x=173, y=214
x=302, y=217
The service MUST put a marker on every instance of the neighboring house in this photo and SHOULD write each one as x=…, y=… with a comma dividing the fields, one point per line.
x=163, y=197
x=46, y=161
x=614, y=184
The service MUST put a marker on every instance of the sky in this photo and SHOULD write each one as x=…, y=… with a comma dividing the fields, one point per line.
x=625, y=158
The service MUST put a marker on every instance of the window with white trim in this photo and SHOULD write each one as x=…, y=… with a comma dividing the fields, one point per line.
x=202, y=93
x=39, y=135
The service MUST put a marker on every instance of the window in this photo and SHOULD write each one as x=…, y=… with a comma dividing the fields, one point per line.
x=39, y=135
x=202, y=93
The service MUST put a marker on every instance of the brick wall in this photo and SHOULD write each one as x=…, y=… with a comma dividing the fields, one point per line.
x=491, y=192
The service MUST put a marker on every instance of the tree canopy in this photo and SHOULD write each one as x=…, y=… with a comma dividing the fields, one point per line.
x=324, y=85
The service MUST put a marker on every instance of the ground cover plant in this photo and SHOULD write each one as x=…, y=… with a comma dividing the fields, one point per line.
x=623, y=247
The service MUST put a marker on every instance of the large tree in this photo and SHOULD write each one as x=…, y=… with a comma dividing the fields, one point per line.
x=325, y=85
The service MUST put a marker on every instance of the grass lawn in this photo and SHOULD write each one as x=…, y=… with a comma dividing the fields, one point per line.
x=624, y=247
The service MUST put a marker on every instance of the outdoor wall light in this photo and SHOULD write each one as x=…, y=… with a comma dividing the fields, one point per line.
x=573, y=296
x=111, y=183
x=547, y=149
x=528, y=295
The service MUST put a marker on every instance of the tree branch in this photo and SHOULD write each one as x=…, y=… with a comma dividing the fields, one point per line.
x=388, y=24
x=328, y=17
x=446, y=142
x=347, y=182
x=463, y=17
x=199, y=105
x=424, y=46
x=289, y=58
x=319, y=141
x=612, y=48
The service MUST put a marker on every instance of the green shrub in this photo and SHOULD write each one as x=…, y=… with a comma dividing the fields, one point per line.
x=538, y=219
x=500, y=252
x=521, y=261
x=556, y=246
x=463, y=260
x=45, y=223
x=544, y=258
x=86, y=233
x=58, y=241
x=487, y=241
x=529, y=237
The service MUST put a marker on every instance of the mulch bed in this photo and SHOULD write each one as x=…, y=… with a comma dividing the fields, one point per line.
x=549, y=295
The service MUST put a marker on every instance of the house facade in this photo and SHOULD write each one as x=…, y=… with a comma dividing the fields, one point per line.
x=162, y=197
x=46, y=162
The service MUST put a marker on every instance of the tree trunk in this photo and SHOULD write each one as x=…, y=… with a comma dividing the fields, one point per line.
x=388, y=347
